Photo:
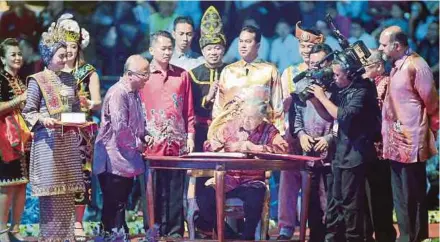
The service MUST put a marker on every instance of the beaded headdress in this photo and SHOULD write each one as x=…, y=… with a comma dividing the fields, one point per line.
x=305, y=36
x=72, y=31
x=211, y=28
x=50, y=42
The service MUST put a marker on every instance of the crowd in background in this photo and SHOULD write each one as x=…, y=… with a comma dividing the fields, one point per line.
x=122, y=28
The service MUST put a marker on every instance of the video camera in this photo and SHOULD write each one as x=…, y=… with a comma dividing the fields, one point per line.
x=352, y=57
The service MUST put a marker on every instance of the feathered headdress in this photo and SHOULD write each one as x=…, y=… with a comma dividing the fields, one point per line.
x=211, y=28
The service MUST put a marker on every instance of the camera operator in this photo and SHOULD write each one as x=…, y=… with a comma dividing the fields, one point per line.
x=356, y=111
x=316, y=139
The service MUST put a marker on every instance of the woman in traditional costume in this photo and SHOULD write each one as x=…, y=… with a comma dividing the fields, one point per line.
x=55, y=163
x=13, y=165
x=88, y=85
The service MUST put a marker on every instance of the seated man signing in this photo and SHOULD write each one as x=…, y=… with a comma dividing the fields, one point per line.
x=248, y=131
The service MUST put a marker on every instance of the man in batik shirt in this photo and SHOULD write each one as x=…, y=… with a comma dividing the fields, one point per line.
x=409, y=123
x=247, y=132
x=248, y=78
x=290, y=181
x=168, y=102
x=119, y=145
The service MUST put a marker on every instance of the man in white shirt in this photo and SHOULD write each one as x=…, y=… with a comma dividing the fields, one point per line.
x=183, y=33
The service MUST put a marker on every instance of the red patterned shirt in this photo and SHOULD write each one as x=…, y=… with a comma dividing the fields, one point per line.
x=168, y=102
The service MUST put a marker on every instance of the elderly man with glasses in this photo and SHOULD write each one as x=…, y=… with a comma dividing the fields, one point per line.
x=119, y=146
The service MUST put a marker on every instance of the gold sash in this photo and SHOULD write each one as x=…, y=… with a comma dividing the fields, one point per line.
x=49, y=89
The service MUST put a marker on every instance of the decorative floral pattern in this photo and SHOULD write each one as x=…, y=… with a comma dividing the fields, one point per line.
x=46, y=81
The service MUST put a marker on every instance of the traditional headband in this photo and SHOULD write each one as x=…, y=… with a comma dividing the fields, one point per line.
x=305, y=36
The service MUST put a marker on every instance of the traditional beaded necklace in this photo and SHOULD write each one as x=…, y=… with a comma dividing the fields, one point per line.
x=17, y=88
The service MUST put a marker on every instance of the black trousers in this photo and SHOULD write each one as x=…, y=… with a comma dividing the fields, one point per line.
x=379, y=202
x=409, y=194
x=169, y=187
x=115, y=191
x=201, y=136
x=252, y=197
x=345, y=209
x=316, y=212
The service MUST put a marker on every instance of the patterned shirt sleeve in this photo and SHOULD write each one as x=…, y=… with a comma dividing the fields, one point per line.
x=277, y=115
x=424, y=84
x=188, y=108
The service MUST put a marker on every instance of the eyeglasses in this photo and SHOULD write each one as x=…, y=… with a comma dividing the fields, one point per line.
x=142, y=75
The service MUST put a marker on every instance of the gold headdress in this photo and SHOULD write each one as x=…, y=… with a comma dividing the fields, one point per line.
x=51, y=41
x=73, y=33
x=211, y=28
x=305, y=36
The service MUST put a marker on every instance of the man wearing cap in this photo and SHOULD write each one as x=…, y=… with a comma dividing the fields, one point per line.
x=290, y=181
x=204, y=78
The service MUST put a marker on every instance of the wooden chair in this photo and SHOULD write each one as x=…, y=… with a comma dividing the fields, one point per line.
x=233, y=206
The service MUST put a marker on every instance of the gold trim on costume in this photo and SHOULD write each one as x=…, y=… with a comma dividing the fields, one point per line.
x=193, y=77
x=48, y=88
x=204, y=102
x=58, y=190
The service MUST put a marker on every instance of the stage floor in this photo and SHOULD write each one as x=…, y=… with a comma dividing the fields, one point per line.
x=433, y=234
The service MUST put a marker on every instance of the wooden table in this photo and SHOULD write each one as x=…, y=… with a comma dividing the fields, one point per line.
x=220, y=166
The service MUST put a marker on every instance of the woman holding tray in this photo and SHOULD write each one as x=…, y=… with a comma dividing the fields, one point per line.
x=13, y=165
x=55, y=164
